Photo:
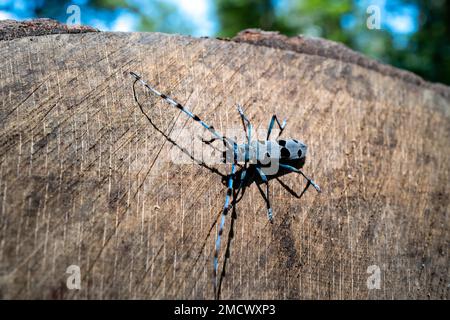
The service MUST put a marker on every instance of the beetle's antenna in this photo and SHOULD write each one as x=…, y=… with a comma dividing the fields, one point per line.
x=185, y=151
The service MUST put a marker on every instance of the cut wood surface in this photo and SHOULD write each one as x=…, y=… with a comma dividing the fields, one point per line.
x=86, y=181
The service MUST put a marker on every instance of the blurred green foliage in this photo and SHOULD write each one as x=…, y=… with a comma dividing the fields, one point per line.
x=236, y=15
x=153, y=15
x=426, y=51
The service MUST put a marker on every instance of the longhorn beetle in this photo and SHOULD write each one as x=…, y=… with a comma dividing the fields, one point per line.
x=249, y=163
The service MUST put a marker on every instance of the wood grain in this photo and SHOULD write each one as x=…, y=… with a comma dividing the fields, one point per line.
x=84, y=179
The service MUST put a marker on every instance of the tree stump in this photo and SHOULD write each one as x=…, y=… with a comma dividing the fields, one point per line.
x=85, y=181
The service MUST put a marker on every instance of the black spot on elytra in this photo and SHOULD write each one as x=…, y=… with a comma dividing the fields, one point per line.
x=285, y=153
x=282, y=143
x=299, y=153
x=267, y=155
x=296, y=141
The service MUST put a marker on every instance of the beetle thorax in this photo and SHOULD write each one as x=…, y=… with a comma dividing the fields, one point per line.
x=265, y=151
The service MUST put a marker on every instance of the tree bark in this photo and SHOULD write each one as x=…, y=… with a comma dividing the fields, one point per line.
x=86, y=181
